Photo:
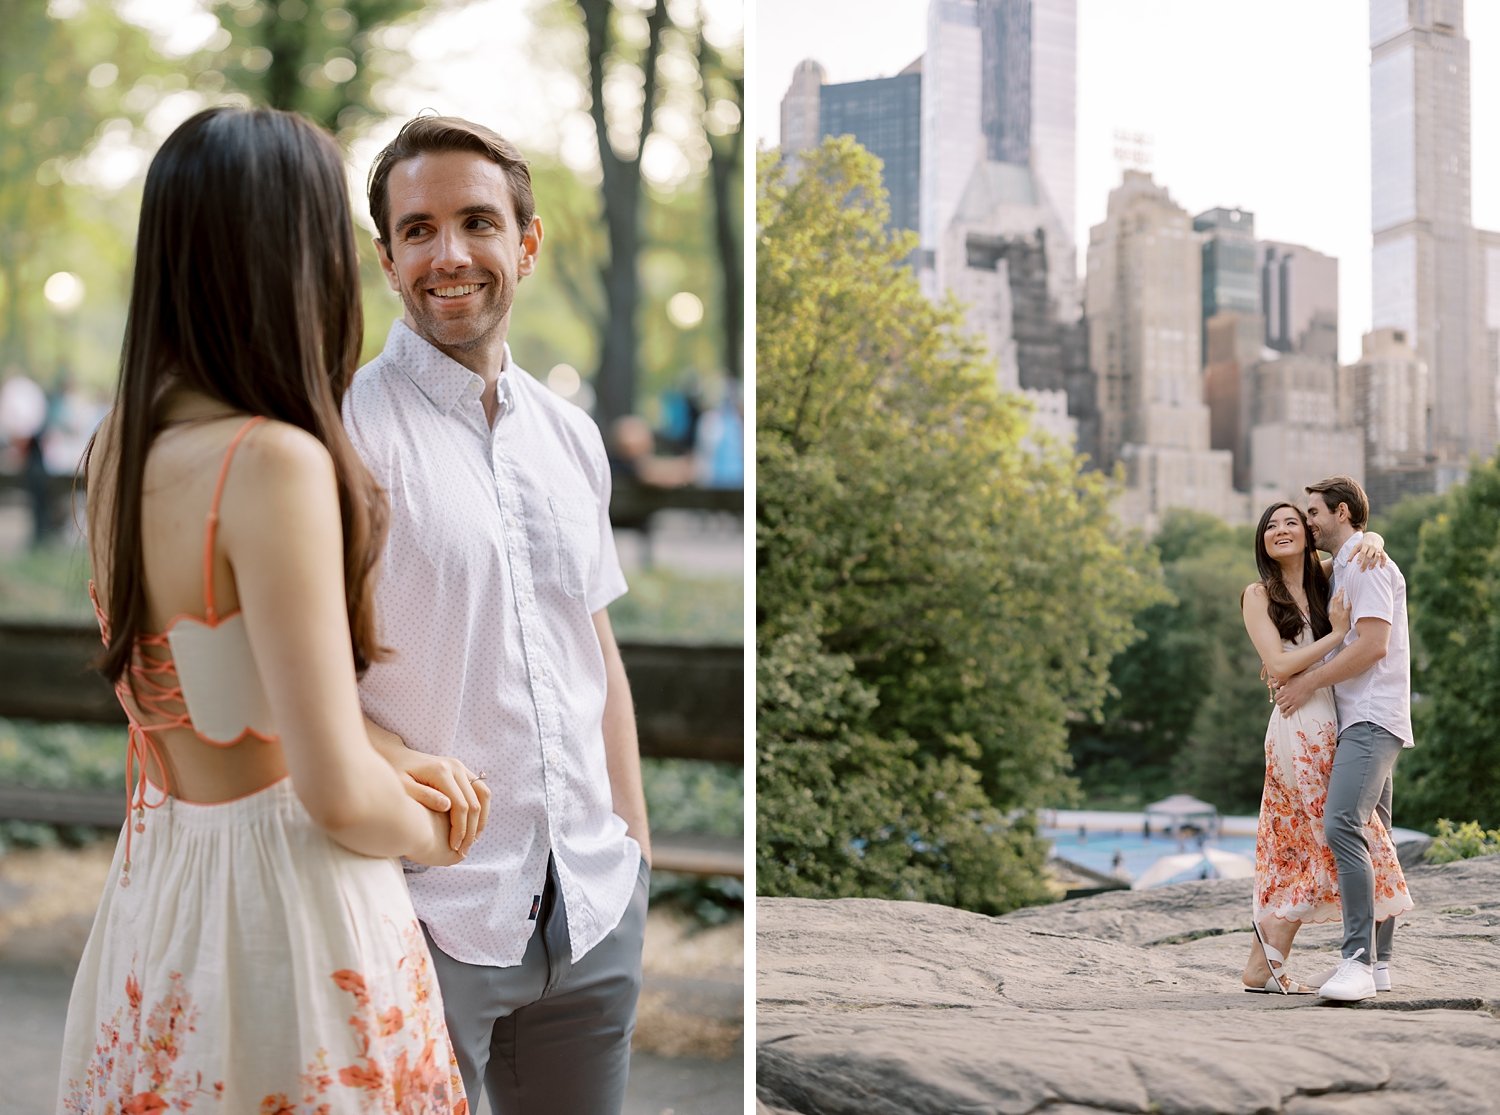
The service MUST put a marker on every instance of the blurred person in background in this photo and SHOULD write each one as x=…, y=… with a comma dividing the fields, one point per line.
x=633, y=459
x=497, y=574
x=719, y=453
x=255, y=947
x=23, y=420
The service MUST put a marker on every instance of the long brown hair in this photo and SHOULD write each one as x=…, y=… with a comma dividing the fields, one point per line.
x=246, y=290
x=1283, y=608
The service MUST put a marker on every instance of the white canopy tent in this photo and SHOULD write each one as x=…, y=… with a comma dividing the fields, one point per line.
x=1184, y=809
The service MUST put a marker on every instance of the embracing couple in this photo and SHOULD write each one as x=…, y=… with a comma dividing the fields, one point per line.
x=1332, y=636
x=352, y=619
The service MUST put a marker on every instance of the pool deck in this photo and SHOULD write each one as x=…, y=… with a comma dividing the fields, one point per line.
x=1097, y=820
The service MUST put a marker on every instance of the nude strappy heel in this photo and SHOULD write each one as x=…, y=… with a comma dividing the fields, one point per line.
x=1278, y=983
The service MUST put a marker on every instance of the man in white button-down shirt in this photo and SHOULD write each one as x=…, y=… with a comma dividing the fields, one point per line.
x=505, y=692
x=1371, y=679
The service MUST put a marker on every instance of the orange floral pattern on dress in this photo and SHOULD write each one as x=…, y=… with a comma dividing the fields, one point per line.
x=131, y=1046
x=1296, y=875
x=409, y=1083
x=396, y=1069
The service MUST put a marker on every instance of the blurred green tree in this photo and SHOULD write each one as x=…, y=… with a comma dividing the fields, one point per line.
x=645, y=60
x=321, y=58
x=1187, y=710
x=1455, y=594
x=67, y=79
x=722, y=80
x=1401, y=527
x=939, y=588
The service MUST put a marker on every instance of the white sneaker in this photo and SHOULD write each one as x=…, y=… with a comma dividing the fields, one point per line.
x=1382, y=975
x=1352, y=982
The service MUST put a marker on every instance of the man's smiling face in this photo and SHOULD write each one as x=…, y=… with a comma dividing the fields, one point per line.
x=455, y=254
x=1319, y=518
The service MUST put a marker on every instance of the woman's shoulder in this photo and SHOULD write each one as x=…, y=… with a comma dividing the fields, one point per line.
x=1255, y=590
x=275, y=450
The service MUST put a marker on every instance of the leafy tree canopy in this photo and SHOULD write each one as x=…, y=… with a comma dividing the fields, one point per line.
x=1456, y=613
x=940, y=588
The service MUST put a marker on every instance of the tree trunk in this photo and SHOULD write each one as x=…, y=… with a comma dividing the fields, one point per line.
x=721, y=165
x=615, y=380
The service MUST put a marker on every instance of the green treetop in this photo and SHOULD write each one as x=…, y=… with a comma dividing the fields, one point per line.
x=940, y=588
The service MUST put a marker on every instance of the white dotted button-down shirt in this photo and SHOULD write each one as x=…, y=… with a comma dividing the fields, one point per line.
x=1382, y=694
x=500, y=552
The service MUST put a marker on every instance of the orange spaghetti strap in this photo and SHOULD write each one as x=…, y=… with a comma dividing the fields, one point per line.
x=210, y=613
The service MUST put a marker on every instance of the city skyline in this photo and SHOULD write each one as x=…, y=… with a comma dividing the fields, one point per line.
x=1233, y=131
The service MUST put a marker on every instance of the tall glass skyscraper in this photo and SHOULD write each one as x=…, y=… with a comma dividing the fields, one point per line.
x=1231, y=280
x=1426, y=277
x=884, y=115
x=999, y=85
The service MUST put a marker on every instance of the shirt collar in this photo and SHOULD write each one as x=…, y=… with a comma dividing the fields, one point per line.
x=441, y=378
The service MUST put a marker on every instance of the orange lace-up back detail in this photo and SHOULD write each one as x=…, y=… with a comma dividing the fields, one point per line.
x=197, y=674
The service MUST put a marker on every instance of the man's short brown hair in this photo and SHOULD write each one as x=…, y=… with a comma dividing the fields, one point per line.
x=429, y=135
x=1345, y=489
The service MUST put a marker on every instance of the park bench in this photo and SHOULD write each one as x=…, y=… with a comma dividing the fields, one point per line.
x=689, y=704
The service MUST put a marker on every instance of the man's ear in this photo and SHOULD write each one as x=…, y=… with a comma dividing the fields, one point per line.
x=386, y=264
x=1344, y=514
x=531, y=247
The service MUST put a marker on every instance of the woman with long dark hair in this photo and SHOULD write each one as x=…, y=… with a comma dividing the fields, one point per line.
x=255, y=949
x=1294, y=625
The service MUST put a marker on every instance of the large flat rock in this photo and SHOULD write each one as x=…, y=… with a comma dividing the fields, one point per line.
x=1126, y=1002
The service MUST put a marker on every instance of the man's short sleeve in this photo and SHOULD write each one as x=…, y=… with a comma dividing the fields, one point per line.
x=1372, y=594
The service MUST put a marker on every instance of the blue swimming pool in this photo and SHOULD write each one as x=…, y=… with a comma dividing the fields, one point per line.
x=1096, y=848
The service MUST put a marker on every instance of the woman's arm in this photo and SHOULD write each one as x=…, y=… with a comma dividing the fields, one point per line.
x=1280, y=661
x=281, y=531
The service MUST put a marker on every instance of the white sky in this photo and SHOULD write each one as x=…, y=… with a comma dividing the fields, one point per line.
x=1262, y=104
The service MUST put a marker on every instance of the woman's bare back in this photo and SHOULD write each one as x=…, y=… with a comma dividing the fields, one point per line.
x=181, y=473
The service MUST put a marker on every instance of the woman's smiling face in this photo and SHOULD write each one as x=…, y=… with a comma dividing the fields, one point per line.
x=1284, y=536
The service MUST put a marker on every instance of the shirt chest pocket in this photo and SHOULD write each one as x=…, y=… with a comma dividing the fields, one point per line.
x=575, y=525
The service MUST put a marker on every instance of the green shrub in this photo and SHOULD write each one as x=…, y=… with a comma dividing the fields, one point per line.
x=1463, y=841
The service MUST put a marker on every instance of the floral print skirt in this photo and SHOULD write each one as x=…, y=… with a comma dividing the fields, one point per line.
x=1296, y=876
x=251, y=966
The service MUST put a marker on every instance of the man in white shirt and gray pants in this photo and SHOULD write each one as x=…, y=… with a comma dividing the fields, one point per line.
x=505, y=693
x=1371, y=679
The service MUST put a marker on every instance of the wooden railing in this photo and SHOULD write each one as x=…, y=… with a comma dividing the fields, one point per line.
x=689, y=704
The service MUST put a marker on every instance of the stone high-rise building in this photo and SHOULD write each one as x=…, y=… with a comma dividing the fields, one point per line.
x=800, y=108
x=1234, y=343
x=1393, y=403
x=1143, y=302
x=999, y=261
x=1299, y=298
x=1300, y=425
x=1427, y=278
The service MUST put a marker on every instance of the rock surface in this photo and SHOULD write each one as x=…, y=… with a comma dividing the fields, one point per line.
x=1125, y=1002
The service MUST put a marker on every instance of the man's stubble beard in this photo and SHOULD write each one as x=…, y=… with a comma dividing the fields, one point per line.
x=471, y=332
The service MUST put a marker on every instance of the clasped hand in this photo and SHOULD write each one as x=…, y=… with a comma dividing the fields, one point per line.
x=446, y=786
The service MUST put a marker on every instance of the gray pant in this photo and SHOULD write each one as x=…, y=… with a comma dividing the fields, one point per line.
x=549, y=1035
x=1360, y=785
